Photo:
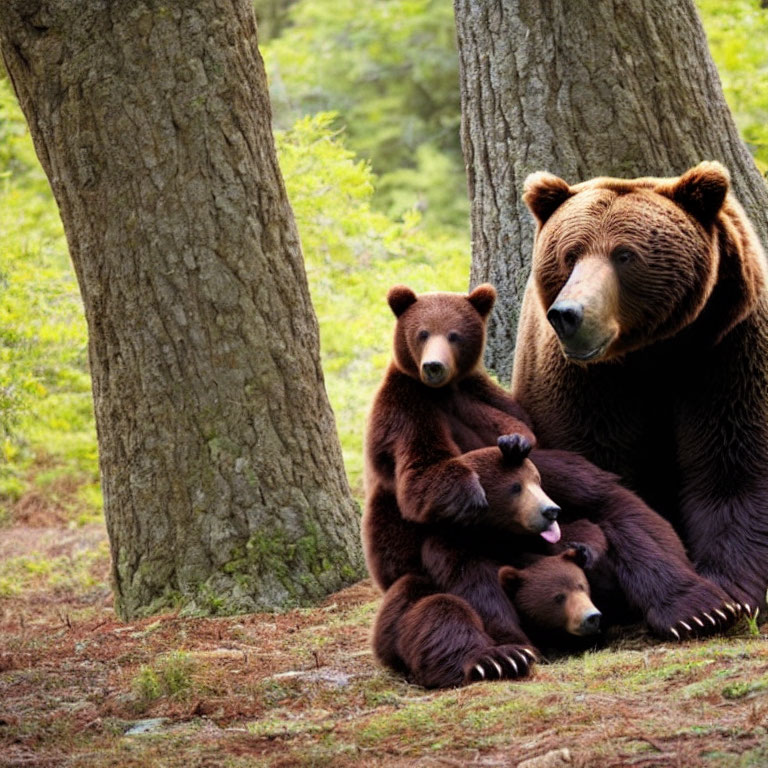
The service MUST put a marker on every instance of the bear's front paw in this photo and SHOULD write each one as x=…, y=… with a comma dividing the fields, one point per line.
x=465, y=502
x=502, y=662
x=747, y=603
x=700, y=609
x=581, y=554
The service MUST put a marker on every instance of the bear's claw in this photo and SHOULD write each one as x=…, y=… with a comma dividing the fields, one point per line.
x=530, y=653
x=504, y=662
x=698, y=610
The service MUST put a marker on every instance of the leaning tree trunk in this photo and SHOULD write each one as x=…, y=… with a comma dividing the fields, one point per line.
x=222, y=475
x=581, y=89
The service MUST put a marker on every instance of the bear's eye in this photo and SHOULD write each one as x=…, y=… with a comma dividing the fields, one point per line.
x=560, y=599
x=623, y=255
x=453, y=337
x=423, y=335
x=515, y=488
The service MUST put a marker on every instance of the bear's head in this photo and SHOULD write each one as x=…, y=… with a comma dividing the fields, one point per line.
x=553, y=593
x=516, y=501
x=439, y=337
x=620, y=264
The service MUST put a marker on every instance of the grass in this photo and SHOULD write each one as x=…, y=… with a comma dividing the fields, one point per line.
x=303, y=689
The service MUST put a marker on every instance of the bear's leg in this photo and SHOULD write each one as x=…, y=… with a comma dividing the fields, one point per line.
x=645, y=553
x=728, y=541
x=403, y=593
x=437, y=639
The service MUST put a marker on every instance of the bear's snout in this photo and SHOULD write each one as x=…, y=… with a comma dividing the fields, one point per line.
x=433, y=372
x=565, y=317
x=590, y=624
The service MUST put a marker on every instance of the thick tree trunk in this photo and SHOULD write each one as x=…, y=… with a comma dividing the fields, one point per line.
x=581, y=89
x=221, y=470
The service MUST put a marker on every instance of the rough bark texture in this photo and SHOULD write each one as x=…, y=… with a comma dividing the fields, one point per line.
x=581, y=89
x=221, y=470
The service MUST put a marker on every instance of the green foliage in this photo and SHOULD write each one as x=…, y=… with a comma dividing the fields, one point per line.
x=45, y=400
x=390, y=70
x=737, y=31
x=353, y=255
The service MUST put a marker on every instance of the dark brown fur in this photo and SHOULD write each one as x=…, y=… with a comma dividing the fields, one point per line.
x=444, y=619
x=552, y=599
x=677, y=402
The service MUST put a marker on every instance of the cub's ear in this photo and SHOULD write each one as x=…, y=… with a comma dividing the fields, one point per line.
x=581, y=554
x=514, y=448
x=544, y=193
x=510, y=579
x=483, y=298
x=399, y=298
x=701, y=191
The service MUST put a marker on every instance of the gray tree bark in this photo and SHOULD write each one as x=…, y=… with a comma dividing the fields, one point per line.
x=582, y=89
x=223, y=482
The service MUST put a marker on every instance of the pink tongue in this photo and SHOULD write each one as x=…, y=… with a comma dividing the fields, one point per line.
x=552, y=534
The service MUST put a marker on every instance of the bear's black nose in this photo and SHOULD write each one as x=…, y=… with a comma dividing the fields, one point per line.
x=433, y=371
x=591, y=622
x=565, y=317
x=550, y=513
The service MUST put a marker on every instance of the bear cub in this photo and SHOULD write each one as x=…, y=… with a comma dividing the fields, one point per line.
x=552, y=598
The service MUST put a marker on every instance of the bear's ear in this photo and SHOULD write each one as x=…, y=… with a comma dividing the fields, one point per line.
x=544, y=193
x=701, y=191
x=514, y=448
x=483, y=298
x=581, y=554
x=399, y=298
x=510, y=579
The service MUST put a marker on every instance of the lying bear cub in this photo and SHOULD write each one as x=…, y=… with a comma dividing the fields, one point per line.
x=552, y=599
x=435, y=406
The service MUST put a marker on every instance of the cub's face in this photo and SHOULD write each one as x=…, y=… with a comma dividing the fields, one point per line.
x=517, y=503
x=621, y=264
x=552, y=594
x=439, y=337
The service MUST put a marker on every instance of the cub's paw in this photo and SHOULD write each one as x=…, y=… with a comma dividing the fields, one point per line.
x=502, y=662
x=694, y=611
x=464, y=501
x=581, y=554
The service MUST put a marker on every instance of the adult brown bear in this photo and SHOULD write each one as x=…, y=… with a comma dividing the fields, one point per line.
x=643, y=345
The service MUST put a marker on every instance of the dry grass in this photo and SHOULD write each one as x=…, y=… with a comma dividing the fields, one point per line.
x=302, y=689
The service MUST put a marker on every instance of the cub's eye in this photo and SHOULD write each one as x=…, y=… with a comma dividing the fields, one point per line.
x=423, y=335
x=623, y=256
x=453, y=337
x=515, y=488
x=560, y=599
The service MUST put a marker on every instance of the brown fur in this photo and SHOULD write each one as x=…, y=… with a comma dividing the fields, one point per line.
x=552, y=597
x=675, y=400
x=435, y=529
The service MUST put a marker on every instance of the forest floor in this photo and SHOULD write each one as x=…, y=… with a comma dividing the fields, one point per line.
x=80, y=688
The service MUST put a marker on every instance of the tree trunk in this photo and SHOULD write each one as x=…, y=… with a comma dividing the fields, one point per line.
x=223, y=482
x=581, y=89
